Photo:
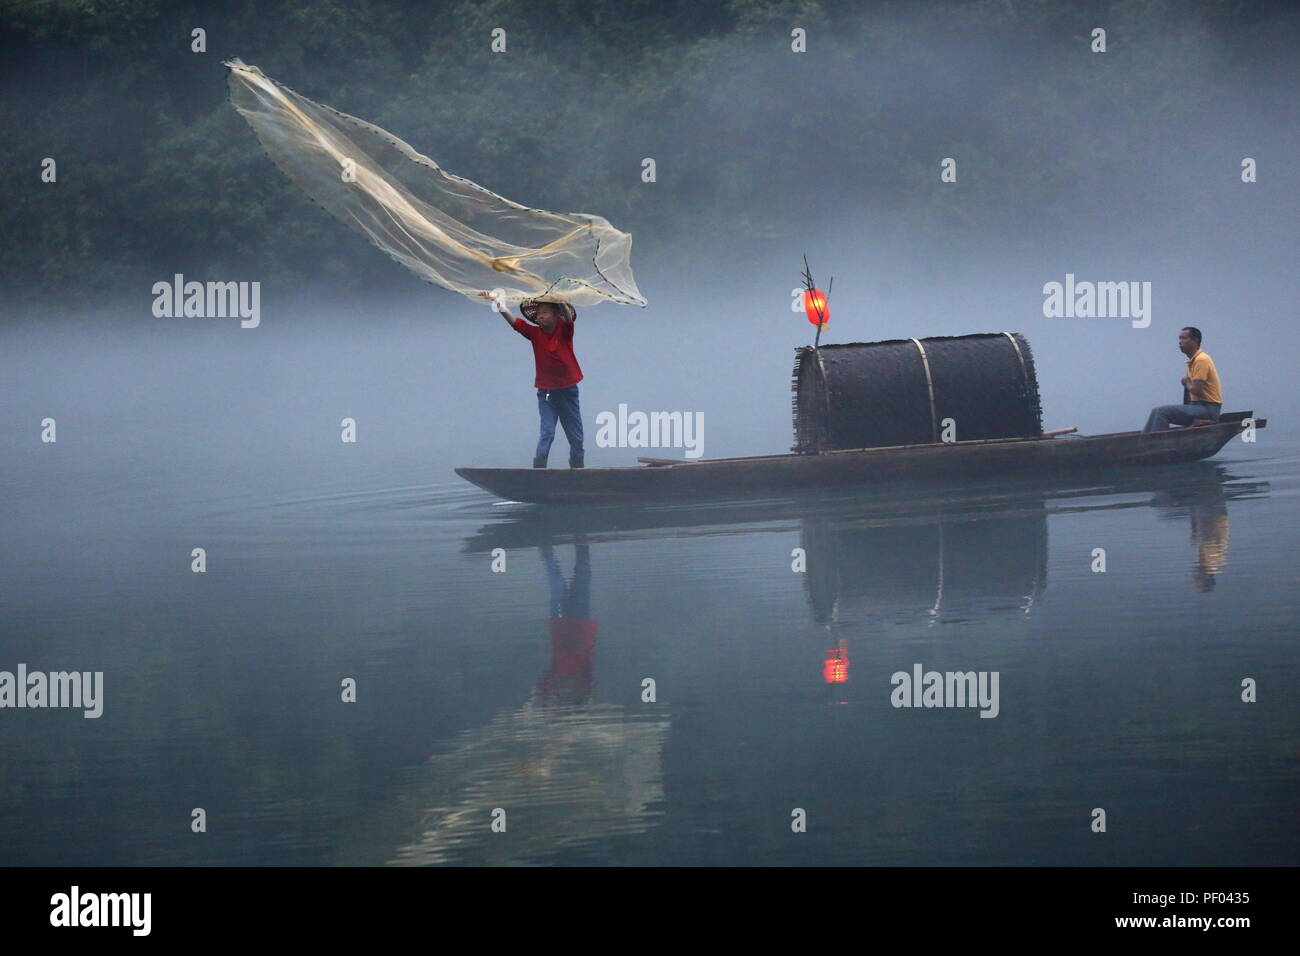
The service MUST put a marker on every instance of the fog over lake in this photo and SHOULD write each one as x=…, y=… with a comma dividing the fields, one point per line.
x=499, y=652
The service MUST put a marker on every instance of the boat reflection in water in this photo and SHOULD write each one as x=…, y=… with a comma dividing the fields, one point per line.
x=953, y=564
x=564, y=770
x=939, y=564
x=570, y=771
x=929, y=565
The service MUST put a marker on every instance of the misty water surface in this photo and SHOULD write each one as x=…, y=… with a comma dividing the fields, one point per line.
x=373, y=561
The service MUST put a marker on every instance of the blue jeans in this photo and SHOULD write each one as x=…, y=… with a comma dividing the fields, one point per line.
x=1165, y=416
x=573, y=599
x=561, y=403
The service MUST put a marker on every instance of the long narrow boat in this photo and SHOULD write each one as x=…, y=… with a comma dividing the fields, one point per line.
x=775, y=474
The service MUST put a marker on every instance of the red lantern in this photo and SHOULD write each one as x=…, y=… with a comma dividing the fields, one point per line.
x=816, y=307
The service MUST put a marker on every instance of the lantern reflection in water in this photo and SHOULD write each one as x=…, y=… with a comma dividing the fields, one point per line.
x=835, y=669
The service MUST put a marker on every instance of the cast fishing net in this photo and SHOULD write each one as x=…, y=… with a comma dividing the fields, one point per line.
x=442, y=227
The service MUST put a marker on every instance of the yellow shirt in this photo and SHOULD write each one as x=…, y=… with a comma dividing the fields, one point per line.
x=1201, y=366
x=1210, y=535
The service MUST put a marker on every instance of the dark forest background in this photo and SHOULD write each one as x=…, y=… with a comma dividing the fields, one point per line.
x=157, y=173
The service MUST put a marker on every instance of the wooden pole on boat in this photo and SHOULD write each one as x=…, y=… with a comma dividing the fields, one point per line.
x=829, y=286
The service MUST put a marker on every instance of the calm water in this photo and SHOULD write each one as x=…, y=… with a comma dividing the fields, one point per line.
x=522, y=690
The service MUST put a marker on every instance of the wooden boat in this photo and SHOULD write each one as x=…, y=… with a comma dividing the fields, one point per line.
x=1049, y=453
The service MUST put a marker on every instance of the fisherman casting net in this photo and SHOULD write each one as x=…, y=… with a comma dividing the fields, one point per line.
x=443, y=228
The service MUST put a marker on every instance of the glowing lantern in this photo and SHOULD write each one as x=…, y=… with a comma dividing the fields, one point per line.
x=836, y=668
x=814, y=302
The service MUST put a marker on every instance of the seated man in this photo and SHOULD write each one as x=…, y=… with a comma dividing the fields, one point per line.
x=1202, y=397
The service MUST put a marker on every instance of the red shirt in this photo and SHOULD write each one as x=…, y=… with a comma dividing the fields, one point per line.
x=570, y=677
x=557, y=367
x=573, y=642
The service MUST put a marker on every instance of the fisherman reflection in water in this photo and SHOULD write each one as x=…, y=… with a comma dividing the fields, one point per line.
x=558, y=373
x=1210, y=540
x=568, y=681
x=1206, y=505
x=1202, y=397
